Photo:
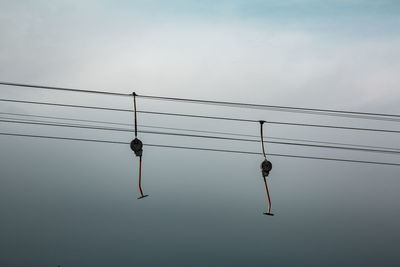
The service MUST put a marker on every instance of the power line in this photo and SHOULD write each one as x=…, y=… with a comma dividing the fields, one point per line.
x=201, y=149
x=63, y=89
x=189, y=130
x=202, y=116
x=316, y=111
x=200, y=136
x=64, y=105
x=68, y=119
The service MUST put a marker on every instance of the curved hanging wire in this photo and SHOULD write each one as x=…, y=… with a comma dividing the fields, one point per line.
x=137, y=147
x=266, y=167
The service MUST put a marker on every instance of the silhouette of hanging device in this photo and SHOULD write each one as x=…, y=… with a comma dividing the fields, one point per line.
x=137, y=147
x=266, y=167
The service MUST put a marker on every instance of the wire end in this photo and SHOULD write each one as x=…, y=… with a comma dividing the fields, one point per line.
x=268, y=213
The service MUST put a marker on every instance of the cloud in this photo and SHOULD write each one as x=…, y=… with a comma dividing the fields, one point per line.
x=298, y=64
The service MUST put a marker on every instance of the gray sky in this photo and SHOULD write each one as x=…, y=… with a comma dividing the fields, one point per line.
x=75, y=203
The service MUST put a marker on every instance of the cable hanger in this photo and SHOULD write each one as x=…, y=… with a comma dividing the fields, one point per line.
x=137, y=147
x=266, y=167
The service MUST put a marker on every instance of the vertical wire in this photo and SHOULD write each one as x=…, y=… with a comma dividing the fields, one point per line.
x=134, y=109
x=269, y=199
x=265, y=157
x=140, y=157
x=262, y=138
x=140, y=176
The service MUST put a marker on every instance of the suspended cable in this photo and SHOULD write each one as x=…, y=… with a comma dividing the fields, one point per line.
x=204, y=117
x=63, y=89
x=266, y=167
x=201, y=149
x=316, y=111
x=63, y=105
x=186, y=129
x=80, y=126
x=65, y=118
x=137, y=147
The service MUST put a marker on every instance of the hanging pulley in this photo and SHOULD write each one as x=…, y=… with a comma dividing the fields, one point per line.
x=266, y=167
x=137, y=147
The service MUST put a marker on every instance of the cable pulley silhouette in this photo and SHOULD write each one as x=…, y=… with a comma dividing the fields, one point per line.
x=266, y=167
x=137, y=147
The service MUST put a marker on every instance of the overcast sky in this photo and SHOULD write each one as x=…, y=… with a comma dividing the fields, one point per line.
x=75, y=203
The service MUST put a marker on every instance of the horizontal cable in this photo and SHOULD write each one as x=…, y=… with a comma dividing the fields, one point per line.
x=64, y=118
x=203, y=117
x=191, y=130
x=64, y=89
x=199, y=136
x=316, y=111
x=202, y=149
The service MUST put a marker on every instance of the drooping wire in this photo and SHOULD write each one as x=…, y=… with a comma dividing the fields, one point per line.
x=266, y=167
x=140, y=179
x=201, y=149
x=204, y=117
x=137, y=147
x=269, y=199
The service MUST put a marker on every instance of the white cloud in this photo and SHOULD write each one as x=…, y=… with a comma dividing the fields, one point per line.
x=240, y=60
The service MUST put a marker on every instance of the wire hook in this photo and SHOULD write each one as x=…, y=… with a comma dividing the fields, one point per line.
x=266, y=167
x=137, y=147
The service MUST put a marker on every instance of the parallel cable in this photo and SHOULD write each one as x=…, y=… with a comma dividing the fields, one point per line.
x=204, y=117
x=201, y=149
x=317, y=111
x=65, y=118
x=80, y=126
x=64, y=105
x=186, y=129
x=63, y=89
